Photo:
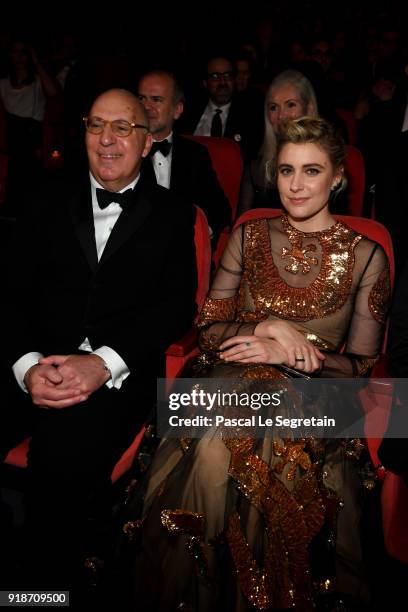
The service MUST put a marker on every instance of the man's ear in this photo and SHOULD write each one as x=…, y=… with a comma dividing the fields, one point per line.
x=178, y=110
x=148, y=145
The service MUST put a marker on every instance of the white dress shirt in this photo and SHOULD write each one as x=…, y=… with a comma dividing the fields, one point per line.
x=162, y=165
x=204, y=125
x=104, y=221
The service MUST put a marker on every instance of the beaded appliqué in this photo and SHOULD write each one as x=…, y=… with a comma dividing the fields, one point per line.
x=324, y=296
x=190, y=524
x=298, y=255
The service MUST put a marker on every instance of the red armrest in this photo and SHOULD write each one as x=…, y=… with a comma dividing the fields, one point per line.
x=182, y=347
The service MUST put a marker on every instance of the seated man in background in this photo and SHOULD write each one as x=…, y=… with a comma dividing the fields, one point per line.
x=222, y=112
x=101, y=280
x=181, y=165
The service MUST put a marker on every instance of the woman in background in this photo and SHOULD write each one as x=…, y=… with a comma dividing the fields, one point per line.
x=289, y=96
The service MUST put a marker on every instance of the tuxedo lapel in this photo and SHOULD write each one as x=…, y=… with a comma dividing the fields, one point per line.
x=176, y=160
x=181, y=177
x=80, y=205
x=129, y=220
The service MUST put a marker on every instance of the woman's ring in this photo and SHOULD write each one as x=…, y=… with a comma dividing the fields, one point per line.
x=300, y=359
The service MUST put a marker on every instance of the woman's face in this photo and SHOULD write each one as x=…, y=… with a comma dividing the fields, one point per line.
x=305, y=176
x=285, y=103
x=19, y=54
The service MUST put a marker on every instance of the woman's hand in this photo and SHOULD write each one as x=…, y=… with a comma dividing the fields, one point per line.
x=302, y=354
x=255, y=349
x=251, y=349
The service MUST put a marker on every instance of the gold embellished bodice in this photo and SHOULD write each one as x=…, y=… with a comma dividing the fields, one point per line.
x=274, y=291
x=333, y=285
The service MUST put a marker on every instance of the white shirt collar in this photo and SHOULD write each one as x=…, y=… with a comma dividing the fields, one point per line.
x=224, y=107
x=169, y=138
x=96, y=185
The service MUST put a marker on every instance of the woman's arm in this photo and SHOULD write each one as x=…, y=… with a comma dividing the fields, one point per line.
x=366, y=330
x=217, y=320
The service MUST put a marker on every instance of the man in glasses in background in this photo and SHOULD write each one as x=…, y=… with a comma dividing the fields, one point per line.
x=102, y=281
x=222, y=113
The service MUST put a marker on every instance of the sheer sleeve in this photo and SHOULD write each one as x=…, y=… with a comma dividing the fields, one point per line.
x=217, y=320
x=372, y=299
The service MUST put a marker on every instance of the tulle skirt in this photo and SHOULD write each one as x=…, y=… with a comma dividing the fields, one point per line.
x=254, y=523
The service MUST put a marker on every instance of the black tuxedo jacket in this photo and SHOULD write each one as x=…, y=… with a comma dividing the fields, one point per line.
x=244, y=123
x=137, y=299
x=193, y=180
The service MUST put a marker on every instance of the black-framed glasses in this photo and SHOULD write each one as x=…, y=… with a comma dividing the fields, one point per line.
x=120, y=127
x=217, y=76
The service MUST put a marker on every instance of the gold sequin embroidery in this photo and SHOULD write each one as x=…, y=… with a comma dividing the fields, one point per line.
x=293, y=452
x=325, y=295
x=217, y=310
x=292, y=520
x=191, y=524
x=298, y=256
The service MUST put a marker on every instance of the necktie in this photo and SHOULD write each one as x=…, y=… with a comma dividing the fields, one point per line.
x=164, y=146
x=105, y=198
x=216, y=125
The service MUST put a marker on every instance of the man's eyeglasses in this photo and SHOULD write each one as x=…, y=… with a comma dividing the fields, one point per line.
x=120, y=127
x=217, y=76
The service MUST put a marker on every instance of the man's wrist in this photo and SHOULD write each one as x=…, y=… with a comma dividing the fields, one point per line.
x=104, y=366
x=27, y=374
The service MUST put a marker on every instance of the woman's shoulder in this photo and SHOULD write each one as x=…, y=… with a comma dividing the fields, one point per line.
x=365, y=244
x=369, y=255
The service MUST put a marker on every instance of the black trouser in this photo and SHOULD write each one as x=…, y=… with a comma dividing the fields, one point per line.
x=72, y=454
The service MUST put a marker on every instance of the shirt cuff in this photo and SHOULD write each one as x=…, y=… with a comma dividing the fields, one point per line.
x=118, y=368
x=22, y=365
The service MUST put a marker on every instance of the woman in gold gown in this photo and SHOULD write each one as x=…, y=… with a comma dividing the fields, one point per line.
x=264, y=524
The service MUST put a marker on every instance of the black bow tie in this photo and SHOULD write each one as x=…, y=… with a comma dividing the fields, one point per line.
x=164, y=146
x=105, y=198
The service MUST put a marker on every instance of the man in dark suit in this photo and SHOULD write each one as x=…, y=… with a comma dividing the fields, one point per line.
x=102, y=280
x=181, y=165
x=221, y=112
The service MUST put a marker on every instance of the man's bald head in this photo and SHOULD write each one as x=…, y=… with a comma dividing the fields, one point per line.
x=115, y=160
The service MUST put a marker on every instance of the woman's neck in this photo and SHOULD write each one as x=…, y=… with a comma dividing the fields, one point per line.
x=316, y=223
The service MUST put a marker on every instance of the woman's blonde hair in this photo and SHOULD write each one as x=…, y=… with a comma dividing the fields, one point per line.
x=317, y=131
x=306, y=93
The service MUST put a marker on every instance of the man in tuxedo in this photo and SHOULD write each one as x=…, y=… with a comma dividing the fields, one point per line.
x=102, y=280
x=181, y=165
x=222, y=112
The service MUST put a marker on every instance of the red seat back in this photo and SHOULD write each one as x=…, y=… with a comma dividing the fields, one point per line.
x=350, y=123
x=355, y=173
x=227, y=162
x=203, y=256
